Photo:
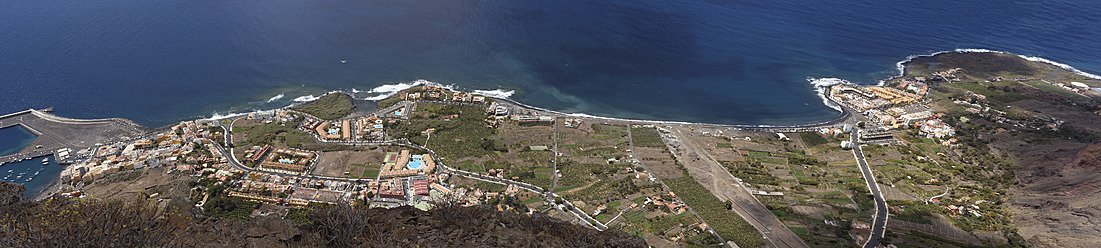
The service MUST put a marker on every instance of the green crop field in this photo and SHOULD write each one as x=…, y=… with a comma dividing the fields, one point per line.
x=729, y=225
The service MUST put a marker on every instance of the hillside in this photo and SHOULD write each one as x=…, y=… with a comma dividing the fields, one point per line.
x=62, y=222
x=1047, y=133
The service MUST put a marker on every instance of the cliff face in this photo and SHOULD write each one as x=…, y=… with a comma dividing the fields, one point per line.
x=1057, y=202
x=174, y=223
x=1087, y=159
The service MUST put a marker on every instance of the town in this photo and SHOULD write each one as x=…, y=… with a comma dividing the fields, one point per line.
x=914, y=148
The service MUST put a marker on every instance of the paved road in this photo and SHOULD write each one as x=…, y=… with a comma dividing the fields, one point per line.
x=631, y=146
x=879, y=221
x=585, y=218
x=744, y=204
x=568, y=206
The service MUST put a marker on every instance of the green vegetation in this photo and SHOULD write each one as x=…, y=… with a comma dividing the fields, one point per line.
x=230, y=207
x=752, y=171
x=438, y=110
x=605, y=190
x=300, y=216
x=994, y=91
x=469, y=165
x=812, y=139
x=646, y=137
x=713, y=211
x=268, y=133
x=370, y=173
x=604, y=132
x=329, y=107
x=385, y=103
x=578, y=174
x=1054, y=89
x=986, y=65
x=465, y=136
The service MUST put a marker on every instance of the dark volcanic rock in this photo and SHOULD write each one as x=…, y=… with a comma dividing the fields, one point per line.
x=1087, y=159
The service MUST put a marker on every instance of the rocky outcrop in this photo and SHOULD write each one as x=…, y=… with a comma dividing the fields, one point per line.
x=1087, y=159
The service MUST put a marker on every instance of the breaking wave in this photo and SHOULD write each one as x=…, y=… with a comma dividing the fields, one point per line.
x=216, y=116
x=277, y=97
x=308, y=98
x=386, y=91
x=821, y=85
x=498, y=93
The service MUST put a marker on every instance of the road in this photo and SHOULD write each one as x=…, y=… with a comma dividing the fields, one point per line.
x=554, y=169
x=631, y=146
x=233, y=162
x=744, y=203
x=879, y=221
x=583, y=217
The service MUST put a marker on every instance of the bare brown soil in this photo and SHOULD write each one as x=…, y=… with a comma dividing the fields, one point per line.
x=335, y=164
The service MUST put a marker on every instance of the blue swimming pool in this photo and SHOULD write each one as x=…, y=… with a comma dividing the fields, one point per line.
x=415, y=163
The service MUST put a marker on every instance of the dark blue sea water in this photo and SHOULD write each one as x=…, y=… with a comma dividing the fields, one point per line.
x=14, y=139
x=743, y=62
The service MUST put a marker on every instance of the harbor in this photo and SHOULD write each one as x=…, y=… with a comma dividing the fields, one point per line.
x=57, y=141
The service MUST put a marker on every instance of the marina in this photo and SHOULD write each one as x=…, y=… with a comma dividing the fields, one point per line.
x=33, y=173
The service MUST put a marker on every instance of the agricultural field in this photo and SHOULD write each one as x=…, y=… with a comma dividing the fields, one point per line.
x=819, y=181
x=715, y=212
x=646, y=136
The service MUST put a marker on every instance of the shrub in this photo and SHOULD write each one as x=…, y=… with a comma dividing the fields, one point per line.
x=330, y=106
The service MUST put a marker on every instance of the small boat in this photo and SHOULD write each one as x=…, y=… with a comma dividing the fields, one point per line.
x=9, y=171
x=343, y=61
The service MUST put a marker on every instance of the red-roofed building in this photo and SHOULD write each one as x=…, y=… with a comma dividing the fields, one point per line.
x=420, y=187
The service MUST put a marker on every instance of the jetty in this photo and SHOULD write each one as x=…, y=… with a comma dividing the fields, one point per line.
x=55, y=132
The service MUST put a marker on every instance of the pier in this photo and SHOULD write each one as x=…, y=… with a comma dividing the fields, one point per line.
x=55, y=132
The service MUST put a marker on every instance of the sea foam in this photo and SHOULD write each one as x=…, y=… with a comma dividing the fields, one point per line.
x=277, y=97
x=498, y=93
x=307, y=98
x=388, y=90
x=821, y=85
x=902, y=68
x=216, y=116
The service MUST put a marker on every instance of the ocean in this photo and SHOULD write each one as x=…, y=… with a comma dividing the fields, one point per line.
x=730, y=62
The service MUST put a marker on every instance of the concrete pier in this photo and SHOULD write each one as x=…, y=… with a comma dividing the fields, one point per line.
x=55, y=132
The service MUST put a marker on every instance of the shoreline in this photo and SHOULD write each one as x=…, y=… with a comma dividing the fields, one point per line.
x=845, y=113
x=51, y=189
x=389, y=90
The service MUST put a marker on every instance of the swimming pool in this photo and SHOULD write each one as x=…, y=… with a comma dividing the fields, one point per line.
x=416, y=162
